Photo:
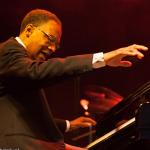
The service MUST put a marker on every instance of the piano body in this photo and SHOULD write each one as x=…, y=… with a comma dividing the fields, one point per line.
x=126, y=125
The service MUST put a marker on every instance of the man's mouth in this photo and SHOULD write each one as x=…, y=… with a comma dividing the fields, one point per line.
x=46, y=54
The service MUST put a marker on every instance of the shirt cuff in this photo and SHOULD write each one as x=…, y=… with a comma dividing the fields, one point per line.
x=98, y=60
x=67, y=126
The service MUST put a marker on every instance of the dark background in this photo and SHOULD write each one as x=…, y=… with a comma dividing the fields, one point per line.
x=89, y=27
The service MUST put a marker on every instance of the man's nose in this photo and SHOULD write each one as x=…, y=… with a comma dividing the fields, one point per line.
x=52, y=48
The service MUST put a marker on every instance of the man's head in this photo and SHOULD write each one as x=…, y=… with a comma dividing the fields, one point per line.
x=41, y=32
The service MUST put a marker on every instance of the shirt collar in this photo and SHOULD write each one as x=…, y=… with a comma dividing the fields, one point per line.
x=20, y=41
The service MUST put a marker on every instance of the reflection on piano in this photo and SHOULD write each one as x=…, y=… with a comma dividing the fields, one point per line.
x=127, y=124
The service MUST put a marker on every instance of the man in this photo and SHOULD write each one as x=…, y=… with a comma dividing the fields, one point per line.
x=26, y=119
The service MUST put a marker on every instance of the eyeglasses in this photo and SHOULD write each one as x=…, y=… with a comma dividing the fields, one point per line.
x=51, y=39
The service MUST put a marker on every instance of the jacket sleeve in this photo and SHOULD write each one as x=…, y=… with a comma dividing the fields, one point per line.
x=61, y=124
x=15, y=62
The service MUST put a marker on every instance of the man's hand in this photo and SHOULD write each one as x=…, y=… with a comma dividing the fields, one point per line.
x=114, y=58
x=82, y=122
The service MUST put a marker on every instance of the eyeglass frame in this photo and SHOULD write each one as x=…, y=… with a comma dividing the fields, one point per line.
x=51, y=38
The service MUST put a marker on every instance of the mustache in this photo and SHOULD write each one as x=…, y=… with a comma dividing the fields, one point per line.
x=47, y=53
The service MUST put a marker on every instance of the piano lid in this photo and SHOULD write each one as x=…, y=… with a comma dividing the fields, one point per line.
x=123, y=111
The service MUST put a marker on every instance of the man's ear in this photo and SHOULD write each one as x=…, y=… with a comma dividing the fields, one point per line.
x=29, y=30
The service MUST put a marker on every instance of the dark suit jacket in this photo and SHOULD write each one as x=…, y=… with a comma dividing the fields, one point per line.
x=61, y=124
x=23, y=109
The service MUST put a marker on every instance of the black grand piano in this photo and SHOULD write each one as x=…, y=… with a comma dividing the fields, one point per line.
x=127, y=125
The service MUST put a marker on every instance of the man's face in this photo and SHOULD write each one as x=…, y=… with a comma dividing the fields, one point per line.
x=44, y=40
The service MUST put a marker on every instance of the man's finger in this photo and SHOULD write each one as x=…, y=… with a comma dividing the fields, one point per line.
x=140, y=47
